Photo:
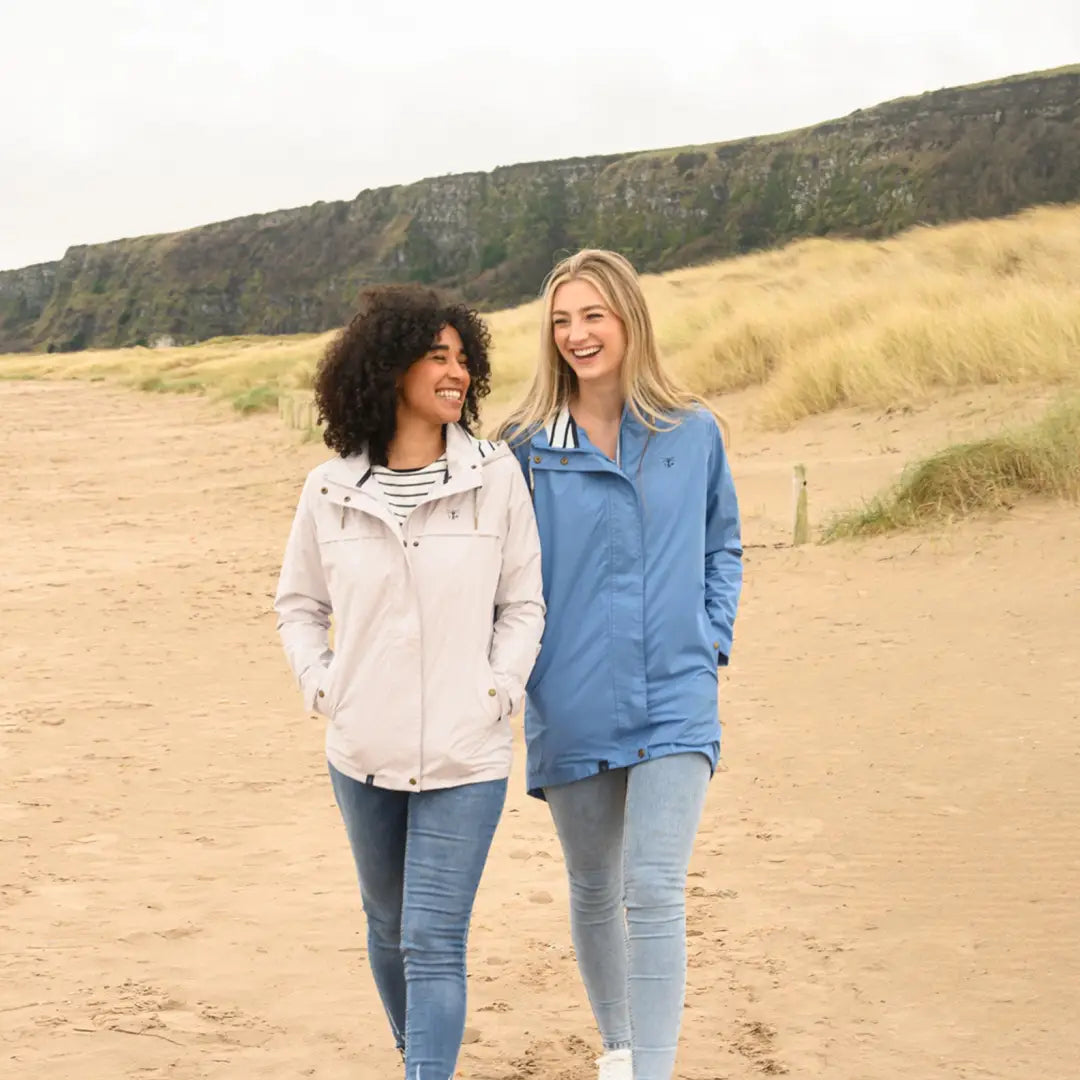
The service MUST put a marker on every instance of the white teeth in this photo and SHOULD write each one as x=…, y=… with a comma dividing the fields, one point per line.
x=584, y=354
x=450, y=395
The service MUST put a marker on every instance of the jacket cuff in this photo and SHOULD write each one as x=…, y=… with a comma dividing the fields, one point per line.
x=314, y=687
x=721, y=644
x=508, y=701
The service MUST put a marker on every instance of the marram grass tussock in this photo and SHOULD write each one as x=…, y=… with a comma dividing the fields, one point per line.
x=1042, y=459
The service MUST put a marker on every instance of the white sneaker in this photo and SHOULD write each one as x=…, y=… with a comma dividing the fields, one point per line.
x=616, y=1065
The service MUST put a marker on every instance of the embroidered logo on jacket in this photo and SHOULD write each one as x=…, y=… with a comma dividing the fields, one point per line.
x=668, y=462
x=452, y=514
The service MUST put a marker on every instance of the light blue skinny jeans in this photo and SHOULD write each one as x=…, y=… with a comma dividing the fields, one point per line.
x=627, y=836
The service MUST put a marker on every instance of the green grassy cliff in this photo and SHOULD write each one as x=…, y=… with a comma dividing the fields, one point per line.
x=979, y=151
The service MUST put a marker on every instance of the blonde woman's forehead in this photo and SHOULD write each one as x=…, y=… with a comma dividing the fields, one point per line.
x=576, y=295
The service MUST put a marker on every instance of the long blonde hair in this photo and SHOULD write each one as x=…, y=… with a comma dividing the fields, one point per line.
x=651, y=393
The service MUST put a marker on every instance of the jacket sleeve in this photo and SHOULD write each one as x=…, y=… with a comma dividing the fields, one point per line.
x=723, y=549
x=519, y=599
x=303, y=606
x=519, y=447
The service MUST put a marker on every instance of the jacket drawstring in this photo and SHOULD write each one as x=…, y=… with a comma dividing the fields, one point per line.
x=475, y=511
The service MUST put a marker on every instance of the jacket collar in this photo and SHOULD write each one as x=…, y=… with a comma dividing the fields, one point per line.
x=465, y=458
x=562, y=433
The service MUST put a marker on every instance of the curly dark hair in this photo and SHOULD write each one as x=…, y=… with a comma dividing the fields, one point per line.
x=356, y=380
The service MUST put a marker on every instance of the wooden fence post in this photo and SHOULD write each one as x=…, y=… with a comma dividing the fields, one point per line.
x=801, y=529
x=296, y=408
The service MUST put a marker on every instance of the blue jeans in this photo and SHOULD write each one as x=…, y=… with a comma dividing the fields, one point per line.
x=627, y=836
x=419, y=857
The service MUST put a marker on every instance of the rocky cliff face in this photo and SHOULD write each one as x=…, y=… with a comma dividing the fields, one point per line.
x=23, y=296
x=969, y=152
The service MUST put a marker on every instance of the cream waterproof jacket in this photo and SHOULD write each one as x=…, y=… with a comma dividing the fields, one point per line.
x=436, y=625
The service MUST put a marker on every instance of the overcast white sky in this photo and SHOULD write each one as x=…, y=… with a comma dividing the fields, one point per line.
x=124, y=117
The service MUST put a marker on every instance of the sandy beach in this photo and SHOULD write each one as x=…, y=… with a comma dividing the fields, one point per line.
x=887, y=882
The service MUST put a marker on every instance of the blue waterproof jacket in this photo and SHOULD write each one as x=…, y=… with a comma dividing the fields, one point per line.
x=642, y=569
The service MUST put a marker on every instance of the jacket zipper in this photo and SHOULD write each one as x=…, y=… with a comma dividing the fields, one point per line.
x=420, y=653
x=408, y=566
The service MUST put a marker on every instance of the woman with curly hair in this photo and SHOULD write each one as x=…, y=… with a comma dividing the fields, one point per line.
x=420, y=540
x=642, y=563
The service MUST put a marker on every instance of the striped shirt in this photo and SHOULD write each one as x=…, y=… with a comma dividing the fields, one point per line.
x=404, y=489
x=562, y=434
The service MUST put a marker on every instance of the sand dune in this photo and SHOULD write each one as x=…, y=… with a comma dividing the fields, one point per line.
x=888, y=880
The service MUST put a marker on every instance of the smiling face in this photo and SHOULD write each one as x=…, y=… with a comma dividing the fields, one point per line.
x=434, y=387
x=590, y=337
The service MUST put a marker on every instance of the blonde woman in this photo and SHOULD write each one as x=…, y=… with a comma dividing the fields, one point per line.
x=642, y=572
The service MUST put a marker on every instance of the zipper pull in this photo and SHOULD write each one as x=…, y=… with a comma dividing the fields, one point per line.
x=343, y=515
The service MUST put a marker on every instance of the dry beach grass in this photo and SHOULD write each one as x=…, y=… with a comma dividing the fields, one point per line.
x=819, y=324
